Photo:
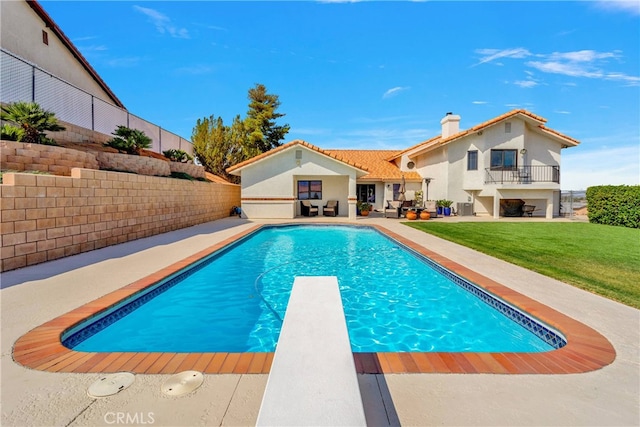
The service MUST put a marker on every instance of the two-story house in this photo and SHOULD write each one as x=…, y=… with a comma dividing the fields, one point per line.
x=511, y=158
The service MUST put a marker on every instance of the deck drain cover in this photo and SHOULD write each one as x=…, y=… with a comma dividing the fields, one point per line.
x=182, y=383
x=111, y=384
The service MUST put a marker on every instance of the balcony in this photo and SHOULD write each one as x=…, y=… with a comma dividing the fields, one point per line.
x=522, y=175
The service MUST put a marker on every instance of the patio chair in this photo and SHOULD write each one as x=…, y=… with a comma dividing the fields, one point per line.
x=393, y=209
x=307, y=209
x=331, y=208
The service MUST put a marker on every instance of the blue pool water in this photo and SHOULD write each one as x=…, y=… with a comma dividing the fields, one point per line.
x=236, y=299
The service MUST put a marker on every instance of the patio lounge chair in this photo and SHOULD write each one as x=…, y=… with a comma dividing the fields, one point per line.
x=393, y=209
x=307, y=209
x=331, y=208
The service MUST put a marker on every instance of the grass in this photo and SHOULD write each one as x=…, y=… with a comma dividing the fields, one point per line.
x=598, y=258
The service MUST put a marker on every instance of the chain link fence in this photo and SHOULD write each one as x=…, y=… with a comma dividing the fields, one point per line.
x=23, y=81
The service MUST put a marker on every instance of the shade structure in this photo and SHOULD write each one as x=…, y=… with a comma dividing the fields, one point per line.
x=402, y=197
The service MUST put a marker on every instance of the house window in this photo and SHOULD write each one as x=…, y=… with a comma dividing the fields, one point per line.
x=507, y=127
x=309, y=190
x=396, y=191
x=472, y=160
x=366, y=192
x=503, y=159
x=45, y=37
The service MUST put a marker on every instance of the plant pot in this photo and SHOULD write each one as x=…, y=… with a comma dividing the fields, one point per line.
x=447, y=211
x=364, y=213
x=425, y=215
x=411, y=215
x=439, y=210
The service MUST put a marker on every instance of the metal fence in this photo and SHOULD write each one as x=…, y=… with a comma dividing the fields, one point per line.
x=23, y=81
x=573, y=203
x=522, y=175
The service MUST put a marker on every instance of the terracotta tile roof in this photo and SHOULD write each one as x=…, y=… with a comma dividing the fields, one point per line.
x=288, y=145
x=217, y=179
x=378, y=165
x=438, y=141
x=573, y=141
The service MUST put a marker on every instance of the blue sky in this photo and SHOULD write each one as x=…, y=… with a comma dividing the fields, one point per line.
x=379, y=75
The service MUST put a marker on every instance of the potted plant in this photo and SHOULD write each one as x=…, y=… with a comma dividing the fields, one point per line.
x=446, y=206
x=364, y=208
x=439, y=207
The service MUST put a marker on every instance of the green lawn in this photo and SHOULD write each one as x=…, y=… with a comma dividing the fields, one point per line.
x=601, y=259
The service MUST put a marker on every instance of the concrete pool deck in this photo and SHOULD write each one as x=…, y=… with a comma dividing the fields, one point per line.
x=37, y=294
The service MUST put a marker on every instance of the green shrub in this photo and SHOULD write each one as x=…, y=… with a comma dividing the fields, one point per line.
x=179, y=156
x=11, y=133
x=32, y=121
x=614, y=205
x=131, y=141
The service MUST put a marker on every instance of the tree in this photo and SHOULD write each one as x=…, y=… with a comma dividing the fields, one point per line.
x=264, y=134
x=217, y=146
x=33, y=120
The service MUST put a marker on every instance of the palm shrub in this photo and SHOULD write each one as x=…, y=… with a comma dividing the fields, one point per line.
x=11, y=133
x=32, y=120
x=131, y=141
x=179, y=156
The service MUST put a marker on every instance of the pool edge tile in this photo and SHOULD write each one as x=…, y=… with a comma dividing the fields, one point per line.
x=586, y=349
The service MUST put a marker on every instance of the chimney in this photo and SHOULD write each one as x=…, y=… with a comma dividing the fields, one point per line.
x=450, y=125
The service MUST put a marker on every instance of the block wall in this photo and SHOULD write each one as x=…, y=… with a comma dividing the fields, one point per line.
x=78, y=134
x=46, y=217
x=135, y=164
x=18, y=156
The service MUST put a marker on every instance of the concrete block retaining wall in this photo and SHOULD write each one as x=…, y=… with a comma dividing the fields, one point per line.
x=193, y=170
x=135, y=164
x=78, y=134
x=45, y=217
x=18, y=156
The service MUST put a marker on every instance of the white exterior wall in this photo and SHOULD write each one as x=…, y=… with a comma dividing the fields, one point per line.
x=451, y=179
x=434, y=165
x=269, y=186
x=21, y=34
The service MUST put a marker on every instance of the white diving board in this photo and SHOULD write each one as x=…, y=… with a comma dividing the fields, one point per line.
x=313, y=380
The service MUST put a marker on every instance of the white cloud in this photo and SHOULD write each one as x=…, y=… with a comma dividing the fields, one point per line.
x=124, y=62
x=489, y=55
x=529, y=83
x=626, y=6
x=394, y=91
x=586, y=63
x=605, y=166
x=163, y=23
x=479, y=102
x=562, y=112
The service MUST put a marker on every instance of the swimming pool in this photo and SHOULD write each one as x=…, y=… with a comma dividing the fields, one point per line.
x=395, y=301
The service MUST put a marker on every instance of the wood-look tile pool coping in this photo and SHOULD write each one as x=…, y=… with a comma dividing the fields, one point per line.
x=586, y=349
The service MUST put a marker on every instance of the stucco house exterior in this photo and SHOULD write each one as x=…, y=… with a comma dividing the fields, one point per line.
x=512, y=157
x=41, y=64
x=29, y=32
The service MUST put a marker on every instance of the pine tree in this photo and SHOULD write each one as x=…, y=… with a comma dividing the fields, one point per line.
x=264, y=133
x=218, y=147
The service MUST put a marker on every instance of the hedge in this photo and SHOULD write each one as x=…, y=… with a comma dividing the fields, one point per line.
x=614, y=205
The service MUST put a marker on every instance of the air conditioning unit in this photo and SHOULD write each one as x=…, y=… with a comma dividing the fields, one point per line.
x=465, y=209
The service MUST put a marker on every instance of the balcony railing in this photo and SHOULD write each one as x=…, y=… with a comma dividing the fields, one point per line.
x=523, y=175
